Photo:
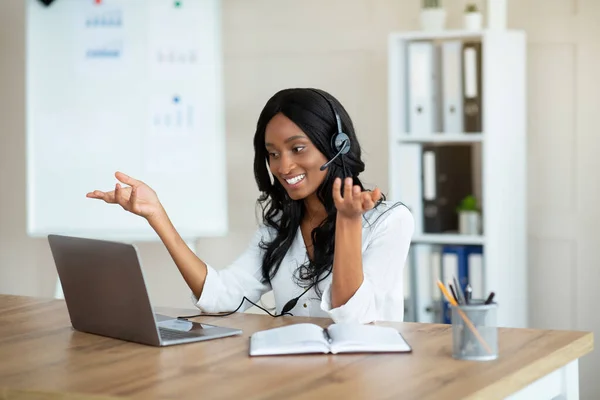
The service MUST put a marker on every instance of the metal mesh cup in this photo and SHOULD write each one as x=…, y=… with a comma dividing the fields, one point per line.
x=477, y=340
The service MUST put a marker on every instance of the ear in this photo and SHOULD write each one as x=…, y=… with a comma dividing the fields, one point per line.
x=340, y=143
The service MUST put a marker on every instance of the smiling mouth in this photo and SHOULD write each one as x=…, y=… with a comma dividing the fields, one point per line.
x=295, y=180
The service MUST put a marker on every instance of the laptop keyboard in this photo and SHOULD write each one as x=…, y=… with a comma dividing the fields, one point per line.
x=169, y=334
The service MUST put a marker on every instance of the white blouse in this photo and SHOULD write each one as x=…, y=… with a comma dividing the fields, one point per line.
x=385, y=245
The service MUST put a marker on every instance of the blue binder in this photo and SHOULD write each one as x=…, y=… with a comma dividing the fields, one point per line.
x=462, y=253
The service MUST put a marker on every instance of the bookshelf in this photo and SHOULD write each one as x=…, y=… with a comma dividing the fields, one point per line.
x=499, y=171
x=442, y=138
x=442, y=239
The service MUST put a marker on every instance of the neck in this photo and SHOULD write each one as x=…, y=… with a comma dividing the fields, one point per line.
x=315, y=210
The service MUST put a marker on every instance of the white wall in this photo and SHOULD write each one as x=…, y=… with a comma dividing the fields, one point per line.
x=564, y=190
x=340, y=45
x=268, y=45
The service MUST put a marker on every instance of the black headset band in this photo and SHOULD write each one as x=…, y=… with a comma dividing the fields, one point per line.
x=338, y=120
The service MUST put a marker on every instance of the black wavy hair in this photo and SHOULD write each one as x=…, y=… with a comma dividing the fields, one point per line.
x=308, y=109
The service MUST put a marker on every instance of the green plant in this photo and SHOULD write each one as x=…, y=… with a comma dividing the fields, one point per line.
x=471, y=8
x=469, y=203
x=432, y=3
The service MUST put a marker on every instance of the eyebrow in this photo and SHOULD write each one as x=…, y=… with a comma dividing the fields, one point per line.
x=287, y=140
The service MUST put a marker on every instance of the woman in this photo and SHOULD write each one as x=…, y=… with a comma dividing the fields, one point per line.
x=340, y=250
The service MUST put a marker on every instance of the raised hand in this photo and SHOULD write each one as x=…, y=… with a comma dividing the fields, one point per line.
x=137, y=198
x=354, y=202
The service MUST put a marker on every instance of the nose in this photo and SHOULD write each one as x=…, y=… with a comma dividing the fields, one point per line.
x=286, y=164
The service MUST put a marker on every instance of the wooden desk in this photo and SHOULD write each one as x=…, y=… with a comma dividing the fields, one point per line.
x=39, y=351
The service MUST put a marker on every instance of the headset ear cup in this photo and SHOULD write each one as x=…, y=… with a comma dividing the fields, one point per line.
x=340, y=142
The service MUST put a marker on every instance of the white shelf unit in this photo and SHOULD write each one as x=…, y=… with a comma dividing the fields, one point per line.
x=501, y=168
x=441, y=239
x=442, y=138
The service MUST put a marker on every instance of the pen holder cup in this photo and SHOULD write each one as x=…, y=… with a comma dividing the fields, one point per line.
x=476, y=338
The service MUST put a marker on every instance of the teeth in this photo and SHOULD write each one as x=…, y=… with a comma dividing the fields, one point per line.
x=295, y=179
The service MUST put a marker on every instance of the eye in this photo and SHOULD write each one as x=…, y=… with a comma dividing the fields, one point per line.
x=273, y=155
x=298, y=149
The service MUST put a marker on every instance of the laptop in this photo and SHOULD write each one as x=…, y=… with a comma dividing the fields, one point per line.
x=106, y=294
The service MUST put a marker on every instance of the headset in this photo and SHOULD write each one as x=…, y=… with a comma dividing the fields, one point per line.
x=340, y=142
x=284, y=311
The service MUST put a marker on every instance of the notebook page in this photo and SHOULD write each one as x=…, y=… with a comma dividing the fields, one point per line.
x=358, y=337
x=291, y=339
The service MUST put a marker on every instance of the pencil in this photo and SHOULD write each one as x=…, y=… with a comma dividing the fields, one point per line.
x=464, y=317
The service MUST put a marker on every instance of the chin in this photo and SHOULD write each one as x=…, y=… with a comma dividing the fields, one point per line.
x=295, y=195
x=300, y=194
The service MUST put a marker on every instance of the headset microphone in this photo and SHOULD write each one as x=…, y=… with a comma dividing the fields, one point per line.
x=344, y=147
x=340, y=141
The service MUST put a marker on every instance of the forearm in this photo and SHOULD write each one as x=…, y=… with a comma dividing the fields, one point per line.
x=192, y=268
x=347, y=260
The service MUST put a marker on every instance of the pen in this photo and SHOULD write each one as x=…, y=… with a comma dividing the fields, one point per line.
x=464, y=317
x=490, y=298
x=468, y=293
x=453, y=292
x=459, y=293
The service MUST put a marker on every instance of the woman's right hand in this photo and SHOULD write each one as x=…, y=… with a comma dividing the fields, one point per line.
x=137, y=198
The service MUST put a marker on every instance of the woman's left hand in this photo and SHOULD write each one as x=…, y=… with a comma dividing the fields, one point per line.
x=354, y=202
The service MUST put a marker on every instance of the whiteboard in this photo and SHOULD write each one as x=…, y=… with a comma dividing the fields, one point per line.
x=124, y=85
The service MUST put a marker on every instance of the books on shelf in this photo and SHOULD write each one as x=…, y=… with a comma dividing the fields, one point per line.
x=452, y=87
x=444, y=87
x=423, y=95
x=481, y=104
x=464, y=263
x=447, y=179
x=445, y=263
x=306, y=338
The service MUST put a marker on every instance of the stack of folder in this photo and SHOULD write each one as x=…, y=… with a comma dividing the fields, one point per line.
x=444, y=87
x=424, y=301
x=444, y=97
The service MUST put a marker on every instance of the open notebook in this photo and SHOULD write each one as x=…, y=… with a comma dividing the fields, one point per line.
x=337, y=338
